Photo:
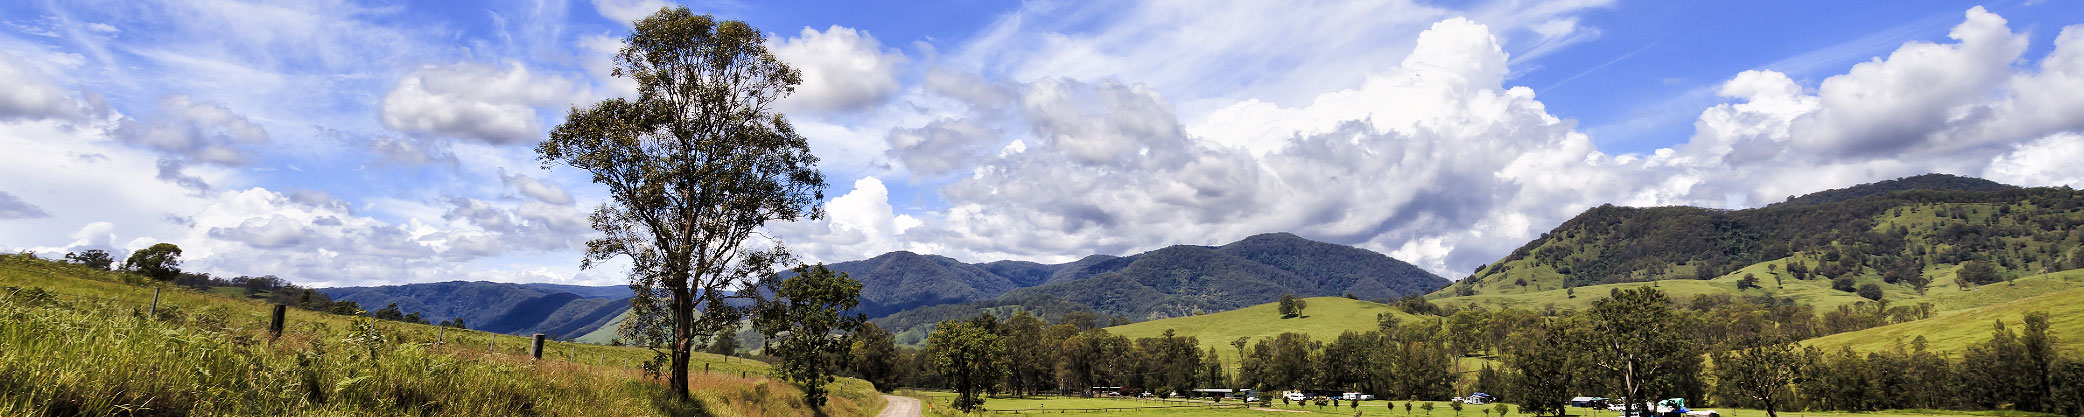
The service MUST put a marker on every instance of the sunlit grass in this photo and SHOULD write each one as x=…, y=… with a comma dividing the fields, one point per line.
x=76, y=341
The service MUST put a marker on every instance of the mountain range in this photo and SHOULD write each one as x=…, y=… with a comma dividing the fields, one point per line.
x=1169, y=282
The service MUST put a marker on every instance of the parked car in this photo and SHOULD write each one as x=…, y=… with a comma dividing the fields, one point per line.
x=1295, y=396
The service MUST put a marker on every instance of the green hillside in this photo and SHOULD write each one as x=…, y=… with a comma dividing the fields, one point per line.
x=84, y=340
x=1897, y=235
x=1325, y=318
x=1953, y=332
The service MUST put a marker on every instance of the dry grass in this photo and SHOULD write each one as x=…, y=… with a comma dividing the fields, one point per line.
x=75, y=341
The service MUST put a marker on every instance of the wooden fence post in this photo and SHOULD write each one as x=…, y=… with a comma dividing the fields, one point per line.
x=155, y=302
x=275, y=322
x=440, y=335
x=536, y=350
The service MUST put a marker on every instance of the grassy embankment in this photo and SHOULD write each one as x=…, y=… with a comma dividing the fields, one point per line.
x=78, y=341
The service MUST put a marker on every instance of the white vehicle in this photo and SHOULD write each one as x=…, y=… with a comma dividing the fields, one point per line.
x=1295, y=396
x=1355, y=396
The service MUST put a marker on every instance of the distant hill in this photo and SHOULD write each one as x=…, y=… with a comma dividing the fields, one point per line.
x=497, y=307
x=1895, y=234
x=588, y=291
x=898, y=281
x=1186, y=280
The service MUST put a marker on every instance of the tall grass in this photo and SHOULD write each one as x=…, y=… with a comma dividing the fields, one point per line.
x=83, y=342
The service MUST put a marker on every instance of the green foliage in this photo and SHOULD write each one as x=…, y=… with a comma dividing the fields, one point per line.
x=1761, y=375
x=161, y=261
x=694, y=166
x=968, y=354
x=1545, y=361
x=91, y=258
x=1640, y=344
x=875, y=356
x=804, y=321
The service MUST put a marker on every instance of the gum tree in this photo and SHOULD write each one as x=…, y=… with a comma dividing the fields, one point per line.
x=693, y=166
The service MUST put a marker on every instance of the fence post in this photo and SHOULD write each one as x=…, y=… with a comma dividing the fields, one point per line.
x=155, y=302
x=536, y=349
x=705, y=367
x=275, y=322
x=440, y=335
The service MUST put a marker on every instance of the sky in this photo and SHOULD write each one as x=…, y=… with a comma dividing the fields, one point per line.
x=341, y=143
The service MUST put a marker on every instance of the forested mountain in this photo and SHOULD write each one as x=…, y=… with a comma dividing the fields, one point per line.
x=1903, y=236
x=897, y=281
x=558, y=310
x=1186, y=280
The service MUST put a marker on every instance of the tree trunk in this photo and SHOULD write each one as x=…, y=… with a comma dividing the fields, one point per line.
x=683, y=341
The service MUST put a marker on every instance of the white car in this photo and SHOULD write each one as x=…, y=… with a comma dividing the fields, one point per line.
x=1295, y=396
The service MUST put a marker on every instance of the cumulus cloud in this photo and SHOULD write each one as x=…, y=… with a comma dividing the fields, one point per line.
x=1885, y=105
x=844, y=69
x=195, y=130
x=941, y=146
x=12, y=207
x=475, y=102
x=860, y=220
x=2048, y=161
x=536, y=189
x=26, y=93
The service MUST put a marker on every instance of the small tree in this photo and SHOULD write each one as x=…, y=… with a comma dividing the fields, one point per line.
x=161, y=261
x=1427, y=407
x=966, y=355
x=1288, y=306
x=1503, y=409
x=92, y=258
x=1763, y=372
x=1457, y=406
x=805, y=324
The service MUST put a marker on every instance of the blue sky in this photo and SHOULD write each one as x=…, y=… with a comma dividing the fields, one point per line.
x=337, y=142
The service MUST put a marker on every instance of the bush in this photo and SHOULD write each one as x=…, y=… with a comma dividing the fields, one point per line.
x=1845, y=284
x=1870, y=291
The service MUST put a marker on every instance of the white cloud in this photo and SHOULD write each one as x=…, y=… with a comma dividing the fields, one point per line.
x=628, y=11
x=26, y=93
x=201, y=131
x=844, y=69
x=2049, y=161
x=536, y=189
x=941, y=146
x=1884, y=106
x=476, y=102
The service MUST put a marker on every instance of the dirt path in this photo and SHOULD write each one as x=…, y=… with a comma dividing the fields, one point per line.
x=900, y=407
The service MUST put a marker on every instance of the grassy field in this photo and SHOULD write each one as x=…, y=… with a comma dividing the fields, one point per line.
x=77, y=341
x=1324, y=319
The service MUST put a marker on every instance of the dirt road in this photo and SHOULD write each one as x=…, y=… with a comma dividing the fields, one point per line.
x=900, y=407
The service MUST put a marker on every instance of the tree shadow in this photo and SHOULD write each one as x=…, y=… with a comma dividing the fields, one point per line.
x=666, y=403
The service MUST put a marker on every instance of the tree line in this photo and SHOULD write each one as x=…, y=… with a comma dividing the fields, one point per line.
x=1636, y=345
